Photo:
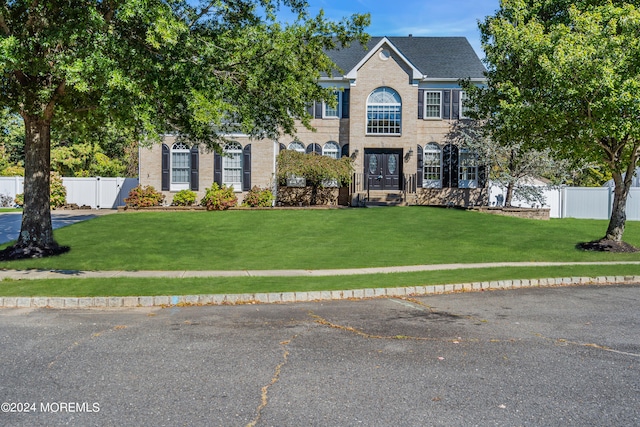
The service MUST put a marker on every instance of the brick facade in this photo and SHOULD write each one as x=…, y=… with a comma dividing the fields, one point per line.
x=384, y=65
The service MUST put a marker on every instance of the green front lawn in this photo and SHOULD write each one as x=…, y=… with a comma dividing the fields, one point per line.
x=319, y=239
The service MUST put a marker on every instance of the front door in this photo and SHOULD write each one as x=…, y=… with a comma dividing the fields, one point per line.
x=383, y=169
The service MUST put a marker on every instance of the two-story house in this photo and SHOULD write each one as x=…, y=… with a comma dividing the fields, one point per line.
x=397, y=102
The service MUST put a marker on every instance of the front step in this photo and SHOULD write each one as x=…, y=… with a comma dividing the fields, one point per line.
x=379, y=198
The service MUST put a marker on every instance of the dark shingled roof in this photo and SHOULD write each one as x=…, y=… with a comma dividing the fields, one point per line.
x=436, y=57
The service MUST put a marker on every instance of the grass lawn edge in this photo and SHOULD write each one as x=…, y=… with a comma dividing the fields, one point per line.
x=479, y=278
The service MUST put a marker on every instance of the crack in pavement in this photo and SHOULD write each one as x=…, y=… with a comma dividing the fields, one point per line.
x=562, y=341
x=322, y=321
x=77, y=343
x=264, y=398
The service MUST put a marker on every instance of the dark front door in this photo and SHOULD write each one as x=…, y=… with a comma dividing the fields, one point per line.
x=383, y=169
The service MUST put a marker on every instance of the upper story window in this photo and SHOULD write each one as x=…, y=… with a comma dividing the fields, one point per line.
x=465, y=105
x=296, y=146
x=332, y=112
x=433, y=105
x=384, y=112
x=432, y=160
x=180, y=166
x=331, y=149
x=232, y=165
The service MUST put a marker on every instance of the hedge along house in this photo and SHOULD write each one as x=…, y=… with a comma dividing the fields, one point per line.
x=397, y=102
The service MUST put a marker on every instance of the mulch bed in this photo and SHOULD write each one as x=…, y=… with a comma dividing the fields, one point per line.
x=604, y=245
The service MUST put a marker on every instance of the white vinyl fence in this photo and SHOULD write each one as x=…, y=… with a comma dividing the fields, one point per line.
x=97, y=192
x=580, y=202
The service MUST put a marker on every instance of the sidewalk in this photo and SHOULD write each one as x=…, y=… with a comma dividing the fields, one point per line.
x=68, y=274
x=287, y=297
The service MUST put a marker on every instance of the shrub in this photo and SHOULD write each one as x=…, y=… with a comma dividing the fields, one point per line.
x=219, y=198
x=184, y=198
x=5, y=201
x=142, y=197
x=58, y=192
x=258, y=197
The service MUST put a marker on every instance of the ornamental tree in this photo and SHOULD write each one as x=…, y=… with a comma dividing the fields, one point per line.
x=565, y=75
x=155, y=66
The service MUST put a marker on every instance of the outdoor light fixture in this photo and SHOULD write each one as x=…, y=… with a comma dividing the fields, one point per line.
x=408, y=155
x=355, y=153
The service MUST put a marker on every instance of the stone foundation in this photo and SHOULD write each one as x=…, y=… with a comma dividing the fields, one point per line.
x=528, y=213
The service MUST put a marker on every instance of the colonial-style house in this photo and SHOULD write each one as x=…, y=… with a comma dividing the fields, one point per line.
x=397, y=102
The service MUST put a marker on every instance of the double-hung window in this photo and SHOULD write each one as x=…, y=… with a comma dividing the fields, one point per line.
x=232, y=166
x=330, y=112
x=180, y=167
x=432, y=105
x=432, y=160
x=465, y=105
x=468, y=169
x=384, y=112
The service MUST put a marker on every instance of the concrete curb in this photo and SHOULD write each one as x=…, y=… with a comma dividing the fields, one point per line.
x=294, y=297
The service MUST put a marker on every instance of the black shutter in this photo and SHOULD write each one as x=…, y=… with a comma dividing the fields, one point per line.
x=450, y=166
x=195, y=179
x=482, y=176
x=446, y=104
x=246, y=168
x=455, y=104
x=420, y=103
x=217, y=169
x=420, y=169
x=345, y=151
x=282, y=147
x=318, y=110
x=166, y=165
x=314, y=148
x=345, y=103
x=310, y=109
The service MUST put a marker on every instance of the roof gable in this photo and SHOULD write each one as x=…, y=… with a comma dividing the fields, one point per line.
x=353, y=73
x=429, y=57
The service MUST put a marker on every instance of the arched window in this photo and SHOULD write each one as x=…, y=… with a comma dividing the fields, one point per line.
x=296, y=146
x=232, y=166
x=384, y=112
x=432, y=160
x=331, y=149
x=180, y=167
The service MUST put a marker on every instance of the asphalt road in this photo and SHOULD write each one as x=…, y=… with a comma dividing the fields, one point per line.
x=10, y=222
x=530, y=357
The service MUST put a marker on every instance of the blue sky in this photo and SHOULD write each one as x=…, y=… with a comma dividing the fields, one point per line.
x=417, y=17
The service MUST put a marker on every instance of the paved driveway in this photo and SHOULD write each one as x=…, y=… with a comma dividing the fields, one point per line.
x=10, y=222
x=529, y=357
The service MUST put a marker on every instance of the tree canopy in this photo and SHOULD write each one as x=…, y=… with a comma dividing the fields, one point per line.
x=565, y=75
x=156, y=66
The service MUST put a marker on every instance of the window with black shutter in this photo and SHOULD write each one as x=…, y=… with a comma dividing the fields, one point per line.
x=194, y=178
x=419, y=171
x=345, y=103
x=446, y=104
x=246, y=168
x=450, y=166
x=217, y=169
x=166, y=164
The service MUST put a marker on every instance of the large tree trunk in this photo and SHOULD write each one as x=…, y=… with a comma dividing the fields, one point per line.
x=509, y=197
x=36, y=233
x=618, y=212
